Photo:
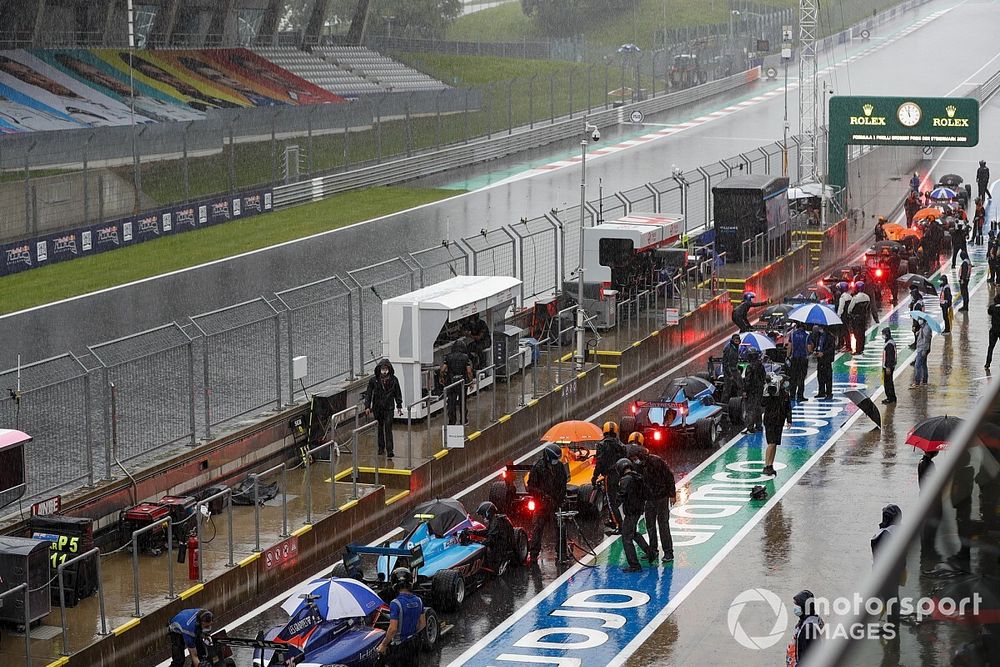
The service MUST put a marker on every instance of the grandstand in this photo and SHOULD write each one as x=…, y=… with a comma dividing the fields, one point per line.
x=386, y=72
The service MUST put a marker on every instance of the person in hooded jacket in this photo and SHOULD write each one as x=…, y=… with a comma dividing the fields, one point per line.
x=959, y=241
x=993, y=259
x=661, y=489
x=946, y=300
x=609, y=451
x=733, y=385
x=547, y=481
x=891, y=516
x=859, y=314
x=964, y=277
x=825, y=350
x=808, y=629
x=497, y=536
x=983, y=180
x=924, y=337
x=916, y=303
x=632, y=495
x=456, y=366
x=754, y=379
x=741, y=313
x=382, y=396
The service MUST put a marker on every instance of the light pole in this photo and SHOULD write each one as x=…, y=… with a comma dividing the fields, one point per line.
x=786, y=55
x=581, y=315
x=826, y=152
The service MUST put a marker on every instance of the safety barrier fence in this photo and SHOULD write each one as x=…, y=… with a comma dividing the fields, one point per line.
x=190, y=380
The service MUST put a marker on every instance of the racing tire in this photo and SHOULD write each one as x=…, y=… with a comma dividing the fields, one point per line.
x=500, y=496
x=519, y=557
x=706, y=434
x=626, y=427
x=339, y=571
x=432, y=630
x=448, y=590
x=589, y=510
x=737, y=411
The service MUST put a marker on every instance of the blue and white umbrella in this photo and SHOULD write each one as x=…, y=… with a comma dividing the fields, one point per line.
x=931, y=322
x=943, y=193
x=758, y=341
x=335, y=598
x=815, y=313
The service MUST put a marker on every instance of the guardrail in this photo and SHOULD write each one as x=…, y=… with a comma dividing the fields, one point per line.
x=432, y=162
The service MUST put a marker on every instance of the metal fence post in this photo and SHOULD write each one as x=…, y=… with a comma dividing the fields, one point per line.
x=531, y=101
x=361, y=335
x=465, y=118
x=105, y=384
x=277, y=363
x=284, y=496
x=256, y=513
x=232, y=156
x=89, y=438
x=274, y=150
x=510, y=106
x=207, y=388
x=289, y=319
x=185, y=166
x=570, y=76
x=552, y=98
x=309, y=139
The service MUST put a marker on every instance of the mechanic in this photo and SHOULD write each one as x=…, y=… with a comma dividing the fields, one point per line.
x=547, y=484
x=777, y=404
x=993, y=259
x=481, y=340
x=661, y=490
x=964, y=276
x=911, y=205
x=843, y=303
x=754, y=379
x=808, y=629
x=824, y=349
x=635, y=449
x=945, y=297
x=733, y=383
x=383, y=392
x=798, y=355
x=916, y=303
x=859, y=313
x=497, y=536
x=457, y=366
x=888, y=366
x=994, y=312
x=190, y=633
x=983, y=180
x=742, y=311
x=609, y=451
x=959, y=239
x=915, y=183
x=406, y=622
x=632, y=494
x=978, y=220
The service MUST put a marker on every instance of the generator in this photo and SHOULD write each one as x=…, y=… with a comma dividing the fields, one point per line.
x=69, y=537
x=153, y=542
x=24, y=560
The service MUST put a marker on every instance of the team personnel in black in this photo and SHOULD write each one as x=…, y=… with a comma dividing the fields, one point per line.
x=457, y=366
x=888, y=366
x=479, y=340
x=983, y=180
x=383, y=393
x=994, y=312
x=964, y=276
x=824, y=349
x=859, y=314
x=401, y=644
x=733, y=385
x=754, y=379
x=741, y=313
x=632, y=494
x=609, y=451
x=661, y=489
x=798, y=355
x=497, y=536
x=547, y=485
x=777, y=403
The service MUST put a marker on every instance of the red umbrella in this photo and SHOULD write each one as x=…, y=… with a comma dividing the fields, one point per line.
x=931, y=435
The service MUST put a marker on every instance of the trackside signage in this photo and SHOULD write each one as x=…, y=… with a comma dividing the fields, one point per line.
x=600, y=615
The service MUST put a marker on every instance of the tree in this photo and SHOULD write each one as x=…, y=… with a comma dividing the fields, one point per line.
x=560, y=18
x=416, y=18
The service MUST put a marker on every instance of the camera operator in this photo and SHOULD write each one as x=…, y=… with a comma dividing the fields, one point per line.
x=456, y=366
x=609, y=451
x=632, y=493
x=497, y=536
x=661, y=489
x=547, y=485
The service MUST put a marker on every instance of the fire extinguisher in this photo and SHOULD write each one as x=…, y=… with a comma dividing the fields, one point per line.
x=194, y=560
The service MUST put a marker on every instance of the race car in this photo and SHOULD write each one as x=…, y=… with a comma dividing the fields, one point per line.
x=687, y=414
x=308, y=639
x=444, y=565
x=510, y=494
x=963, y=191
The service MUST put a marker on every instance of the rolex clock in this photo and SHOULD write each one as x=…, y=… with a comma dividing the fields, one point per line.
x=908, y=113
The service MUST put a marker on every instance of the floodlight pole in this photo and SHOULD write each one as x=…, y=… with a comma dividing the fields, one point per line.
x=581, y=314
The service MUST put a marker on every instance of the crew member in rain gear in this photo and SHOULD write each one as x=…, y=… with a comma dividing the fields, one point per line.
x=661, y=490
x=609, y=451
x=911, y=205
x=635, y=448
x=382, y=396
x=808, y=629
x=457, y=366
x=407, y=620
x=479, y=340
x=547, y=485
x=888, y=366
x=777, y=403
x=891, y=516
x=959, y=241
x=945, y=298
x=754, y=378
x=859, y=314
x=824, y=349
x=915, y=183
x=497, y=536
x=994, y=312
x=632, y=495
x=964, y=276
x=190, y=632
x=993, y=259
x=916, y=303
x=843, y=304
x=741, y=313
x=932, y=520
x=798, y=355
x=978, y=221
x=733, y=383
x=983, y=180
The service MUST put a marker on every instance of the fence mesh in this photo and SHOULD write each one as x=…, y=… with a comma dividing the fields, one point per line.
x=374, y=284
x=53, y=408
x=641, y=200
x=440, y=263
x=240, y=360
x=493, y=253
x=569, y=228
x=697, y=199
x=539, y=250
x=152, y=374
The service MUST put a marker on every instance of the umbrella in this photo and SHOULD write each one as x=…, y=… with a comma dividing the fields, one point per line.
x=891, y=246
x=864, y=403
x=924, y=285
x=942, y=193
x=931, y=322
x=778, y=311
x=929, y=213
x=757, y=341
x=952, y=181
x=692, y=386
x=985, y=588
x=931, y=435
x=573, y=431
x=335, y=598
x=815, y=313
x=444, y=514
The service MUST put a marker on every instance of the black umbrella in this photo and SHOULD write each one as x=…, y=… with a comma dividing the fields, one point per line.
x=441, y=515
x=692, y=386
x=778, y=311
x=865, y=404
x=891, y=246
x=924, y=285
x=983, y=589
x=931, y=435
x=952, y=181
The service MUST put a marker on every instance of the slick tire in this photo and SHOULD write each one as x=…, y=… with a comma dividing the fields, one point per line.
x=500, y=496
x=626, y=427
x=432, y=630
x=520, y=555
x=448, y=590
x=589, y=510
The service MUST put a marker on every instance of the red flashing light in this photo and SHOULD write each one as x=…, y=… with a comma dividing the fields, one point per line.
x=635, y=409
x=878, y=273
x=503, y=474
x=657, y=436
x=531, y=505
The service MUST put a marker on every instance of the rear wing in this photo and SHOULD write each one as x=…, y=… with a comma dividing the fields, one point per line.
x=286, y=653
x=412, y=558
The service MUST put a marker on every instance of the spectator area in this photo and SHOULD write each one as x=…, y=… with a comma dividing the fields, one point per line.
x=386, y=72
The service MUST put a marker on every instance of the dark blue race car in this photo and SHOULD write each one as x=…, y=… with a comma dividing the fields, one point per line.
x=686, y=414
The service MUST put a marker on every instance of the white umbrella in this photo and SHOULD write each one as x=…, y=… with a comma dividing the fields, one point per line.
x=335, y=598
x=815, y=313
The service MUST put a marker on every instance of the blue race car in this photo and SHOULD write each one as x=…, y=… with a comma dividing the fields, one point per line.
x=444, y=563
x=687, y=414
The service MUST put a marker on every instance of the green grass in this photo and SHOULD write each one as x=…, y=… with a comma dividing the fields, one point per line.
x=87, y=274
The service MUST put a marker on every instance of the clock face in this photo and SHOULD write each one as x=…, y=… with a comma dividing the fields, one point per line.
x=908, y=114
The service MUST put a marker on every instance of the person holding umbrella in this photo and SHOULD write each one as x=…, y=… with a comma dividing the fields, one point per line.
x=859, y=313
x=888, y=366
x=798, y=354
x=945, y=298
x=406, y=621
x=994, y=312
x=754, y=379
x=964, y=276
x=824, y=350
x=916, y=303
